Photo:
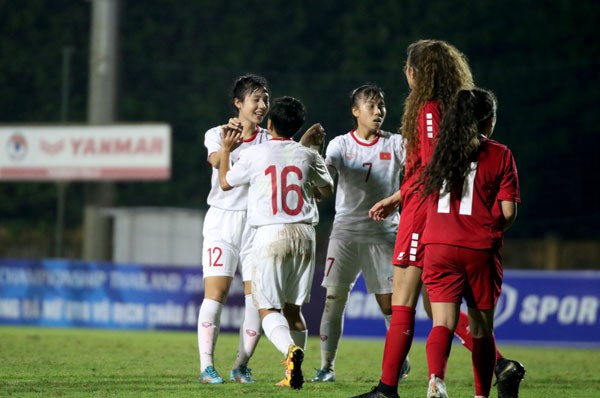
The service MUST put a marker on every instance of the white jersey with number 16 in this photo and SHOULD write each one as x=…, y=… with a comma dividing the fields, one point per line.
x=281, y=174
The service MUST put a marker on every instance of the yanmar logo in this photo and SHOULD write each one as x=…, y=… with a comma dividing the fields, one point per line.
x=117, y=146
x=104, y=146
x=52, y=148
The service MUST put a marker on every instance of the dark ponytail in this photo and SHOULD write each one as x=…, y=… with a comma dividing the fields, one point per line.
x=458, y=140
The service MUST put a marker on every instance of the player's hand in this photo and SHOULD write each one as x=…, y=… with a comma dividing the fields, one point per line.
x=317, y=194
x=314, y=136
x=382, y=209
x=379, y=211
x=232, y=134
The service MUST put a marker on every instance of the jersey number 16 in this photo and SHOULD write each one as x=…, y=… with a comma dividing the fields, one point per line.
x=280, y=187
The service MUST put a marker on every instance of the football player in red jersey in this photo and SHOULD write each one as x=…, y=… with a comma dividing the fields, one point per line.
x=472, y=190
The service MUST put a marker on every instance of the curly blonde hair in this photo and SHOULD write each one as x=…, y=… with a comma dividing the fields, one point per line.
x=440, y=71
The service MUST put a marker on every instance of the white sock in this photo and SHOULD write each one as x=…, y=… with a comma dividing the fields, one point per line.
x=250, y=331
x=277, y=331
x=388, y=320
x=209, y=319
x=332, y=326
x=299, y=337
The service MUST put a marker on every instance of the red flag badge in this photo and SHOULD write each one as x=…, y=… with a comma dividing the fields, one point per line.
x=385, y=156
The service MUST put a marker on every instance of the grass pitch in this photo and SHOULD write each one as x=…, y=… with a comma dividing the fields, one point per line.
x=45, y=362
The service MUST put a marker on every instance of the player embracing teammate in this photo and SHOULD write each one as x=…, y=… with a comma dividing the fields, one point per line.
x=281, y=175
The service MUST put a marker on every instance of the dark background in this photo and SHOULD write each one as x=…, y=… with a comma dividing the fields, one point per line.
x=178, y=59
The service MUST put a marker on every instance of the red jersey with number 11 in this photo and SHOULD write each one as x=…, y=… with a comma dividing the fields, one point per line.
x=473, y=218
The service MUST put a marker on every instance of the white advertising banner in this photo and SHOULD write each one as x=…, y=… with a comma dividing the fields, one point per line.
x=114, y=152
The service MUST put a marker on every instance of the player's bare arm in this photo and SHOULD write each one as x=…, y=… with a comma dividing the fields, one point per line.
x=314, y=137
x=233, y=124
x=230, y=140
x=382, y=209
x=327, y=190
x=509, y=211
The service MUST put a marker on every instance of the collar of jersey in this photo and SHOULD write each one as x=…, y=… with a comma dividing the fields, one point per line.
x=253, y=136
x=362, y=142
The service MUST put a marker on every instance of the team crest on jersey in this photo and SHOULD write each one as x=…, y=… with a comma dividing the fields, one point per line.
x=350, y=155
x=385, y=156
x=16, y=147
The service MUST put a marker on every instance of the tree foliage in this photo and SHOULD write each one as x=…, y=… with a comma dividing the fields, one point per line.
x=178, y=59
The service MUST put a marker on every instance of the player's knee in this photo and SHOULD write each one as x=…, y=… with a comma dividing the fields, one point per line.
x=427, y=308
x=385, y=303
x=217, y=295
x=386, y=309
x=217, y=288
x=337, y=295
x=481, y=332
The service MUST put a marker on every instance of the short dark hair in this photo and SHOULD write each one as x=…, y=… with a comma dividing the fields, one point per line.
x=247, y=84
x=287, y=115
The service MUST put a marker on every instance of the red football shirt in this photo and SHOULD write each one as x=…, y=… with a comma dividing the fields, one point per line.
x=408, y=249
x=428, y=126
x=473, y=218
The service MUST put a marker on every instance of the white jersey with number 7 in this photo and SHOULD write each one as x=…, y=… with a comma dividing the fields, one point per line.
x=281, y=174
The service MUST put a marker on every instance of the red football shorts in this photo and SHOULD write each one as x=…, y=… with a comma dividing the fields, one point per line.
x=454, y=272
x=408, y=249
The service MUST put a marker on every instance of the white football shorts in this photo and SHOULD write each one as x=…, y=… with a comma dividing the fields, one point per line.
x=283, y=264
x=227, y=240
x=345, y=260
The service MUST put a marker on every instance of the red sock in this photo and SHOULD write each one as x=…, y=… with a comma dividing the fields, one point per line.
x=438, y=348
x=463, y=332
x=483, y=360
x=397, y=343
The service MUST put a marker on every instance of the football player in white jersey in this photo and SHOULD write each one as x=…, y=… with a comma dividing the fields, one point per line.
x=281, y=175
x=226, y=236
x=367, y=162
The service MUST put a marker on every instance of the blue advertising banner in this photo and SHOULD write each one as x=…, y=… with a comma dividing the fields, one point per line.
x=65, y=293
x=536, y=307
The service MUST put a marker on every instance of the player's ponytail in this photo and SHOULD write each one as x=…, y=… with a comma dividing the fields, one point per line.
x=458, y=140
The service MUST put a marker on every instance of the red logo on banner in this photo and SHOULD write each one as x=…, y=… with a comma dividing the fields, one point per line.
x=385, y=156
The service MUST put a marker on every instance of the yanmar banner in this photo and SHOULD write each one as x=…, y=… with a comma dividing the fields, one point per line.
x=536, y=307
x=114, y=152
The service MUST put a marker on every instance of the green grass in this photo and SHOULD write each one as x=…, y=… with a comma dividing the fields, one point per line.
x=106, y=363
